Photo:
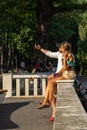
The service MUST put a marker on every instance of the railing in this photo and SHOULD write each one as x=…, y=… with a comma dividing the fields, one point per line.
x=26, y=85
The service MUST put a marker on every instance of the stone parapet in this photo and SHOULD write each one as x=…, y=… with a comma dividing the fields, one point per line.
x=70, y=114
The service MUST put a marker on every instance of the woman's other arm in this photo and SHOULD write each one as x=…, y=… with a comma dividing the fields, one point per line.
x=47, y=52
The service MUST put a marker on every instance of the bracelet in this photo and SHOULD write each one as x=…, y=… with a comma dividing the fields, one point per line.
x=54, y=75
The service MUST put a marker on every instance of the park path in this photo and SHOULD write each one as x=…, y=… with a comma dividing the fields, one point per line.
x=22, y=114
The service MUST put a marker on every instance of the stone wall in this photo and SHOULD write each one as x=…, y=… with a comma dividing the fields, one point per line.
x=70, y=114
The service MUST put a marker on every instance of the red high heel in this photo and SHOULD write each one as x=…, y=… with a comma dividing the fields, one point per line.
x=52, y=119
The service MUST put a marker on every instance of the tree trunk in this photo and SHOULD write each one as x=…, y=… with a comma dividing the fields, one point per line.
x=44, y=15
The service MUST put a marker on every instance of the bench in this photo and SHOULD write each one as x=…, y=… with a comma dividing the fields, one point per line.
x=70, y=114
x=2, y=95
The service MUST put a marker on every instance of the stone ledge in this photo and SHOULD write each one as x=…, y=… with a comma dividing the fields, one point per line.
x=65, y=81
x=2, y=91
x=70, y=114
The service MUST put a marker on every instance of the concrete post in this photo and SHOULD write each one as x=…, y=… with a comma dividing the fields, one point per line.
x=43, y=86
x=7, y=83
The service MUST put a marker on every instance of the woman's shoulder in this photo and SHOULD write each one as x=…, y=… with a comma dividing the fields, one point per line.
x=70, y=54
x=71, y=57
x=59, y=53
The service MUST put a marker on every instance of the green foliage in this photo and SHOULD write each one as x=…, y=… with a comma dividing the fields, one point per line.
x=81, y=19
x=82, y=56
x=18, y=18
x=63, y=27
x=23, y=41
x=68, y=2
x=83, y=26
x=72, y=26
x=63, y=2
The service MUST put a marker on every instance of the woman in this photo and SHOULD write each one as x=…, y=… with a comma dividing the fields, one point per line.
x=58, y=56
x=67, y=72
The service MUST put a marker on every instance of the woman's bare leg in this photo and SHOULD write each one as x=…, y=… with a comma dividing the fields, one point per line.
x=47, y=94
x=52, y=89
x=53, y=104
x=46, y=98
x=53, y=100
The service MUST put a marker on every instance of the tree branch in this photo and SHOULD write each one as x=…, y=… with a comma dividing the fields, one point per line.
x=69, y=8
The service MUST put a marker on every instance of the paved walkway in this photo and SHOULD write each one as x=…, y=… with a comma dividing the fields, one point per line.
x=22, y=114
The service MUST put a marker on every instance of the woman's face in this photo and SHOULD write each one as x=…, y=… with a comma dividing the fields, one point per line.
x=62, y=50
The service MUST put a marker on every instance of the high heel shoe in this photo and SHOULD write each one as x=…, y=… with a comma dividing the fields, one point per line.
x=51, y=119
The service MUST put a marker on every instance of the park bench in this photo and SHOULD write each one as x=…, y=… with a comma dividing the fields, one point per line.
x=2, y=95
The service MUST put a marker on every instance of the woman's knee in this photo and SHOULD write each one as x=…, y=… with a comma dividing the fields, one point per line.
x=50, y=77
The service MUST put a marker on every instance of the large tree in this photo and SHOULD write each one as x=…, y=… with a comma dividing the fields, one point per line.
x=65, y=15
x=25, y=22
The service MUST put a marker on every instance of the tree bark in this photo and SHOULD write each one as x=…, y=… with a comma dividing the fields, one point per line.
x=44, y=14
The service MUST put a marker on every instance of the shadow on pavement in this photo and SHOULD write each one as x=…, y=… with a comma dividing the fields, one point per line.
x=5, y=114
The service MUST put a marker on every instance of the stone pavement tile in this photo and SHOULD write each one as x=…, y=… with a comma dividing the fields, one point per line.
x=22, y=114
x=69, y=127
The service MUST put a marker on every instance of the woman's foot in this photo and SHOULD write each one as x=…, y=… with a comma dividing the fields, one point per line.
x=51, y=119
x=40, y=102
x=43, y=106
x=47, y=104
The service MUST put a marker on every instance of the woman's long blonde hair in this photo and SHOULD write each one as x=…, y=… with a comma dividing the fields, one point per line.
x=67, y=46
